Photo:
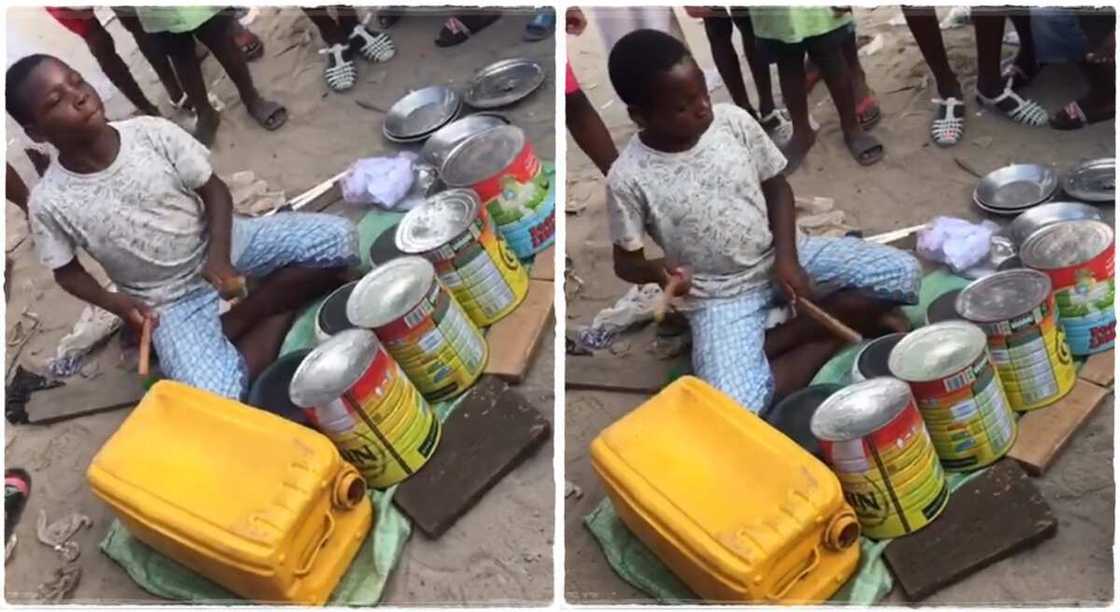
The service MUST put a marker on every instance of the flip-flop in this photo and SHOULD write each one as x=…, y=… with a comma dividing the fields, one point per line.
x=374, y=46
x=1074, y=117
x=1026, y=112
x=540, y=26
x=456, y=31
x=271, y=116
x=17, y=488
x=250, y=44
x=947, y=128
x=868, y=112
x=340, y=73
x=865, y=148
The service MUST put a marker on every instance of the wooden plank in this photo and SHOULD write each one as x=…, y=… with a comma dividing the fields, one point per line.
x=1100, y=369
x=112, y=390
x=987, y=519
x=1044, y=432
x=485, y=438
x=624, y=375
x=515, y=338
x=544, y=265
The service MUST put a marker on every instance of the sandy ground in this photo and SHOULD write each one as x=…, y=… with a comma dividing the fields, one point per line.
x=501, y=551
x=915, y=182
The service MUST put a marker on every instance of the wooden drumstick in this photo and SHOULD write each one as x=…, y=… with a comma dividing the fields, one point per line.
x=145, y=347
x=832, y=324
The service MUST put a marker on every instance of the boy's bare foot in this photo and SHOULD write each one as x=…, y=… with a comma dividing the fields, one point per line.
x=797, y=148
x=206, y=127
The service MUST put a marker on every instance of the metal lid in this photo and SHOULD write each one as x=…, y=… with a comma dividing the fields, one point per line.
x=1092, y=181
x=503, y=82
x=482, y=155
x=437, y=221
x=872, y=359
x=1003, y=295
x=937, y=351
x=333, y=367
x=388, y=292
x=1066, y=243
x=331, y=317
x=944, y=308
x=859, y=409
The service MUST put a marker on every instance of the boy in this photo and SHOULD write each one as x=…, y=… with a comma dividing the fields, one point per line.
x=141, y=198
x=706, y=184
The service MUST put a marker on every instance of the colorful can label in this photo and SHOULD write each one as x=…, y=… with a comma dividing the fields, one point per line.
x=968, y=416
x=524, y=169
x=364, y=421
x=478, y=267
x=891, y=478
x=1085, y=295
x=438, y=346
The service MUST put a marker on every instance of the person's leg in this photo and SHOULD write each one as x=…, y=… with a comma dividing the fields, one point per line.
x=180, y=48
x=1025, y=66
x=152, y=52
x=791, y=78
x=757, y=61
x=217, y=35
x=193, y=349
x=867, y=107
x=260, y=346
x=588, y=130
x=826, y=51
x=796, y=368
x=371, y=44
x=16, y=189
x=101, y=45
x=727, y=348
x=719, y=30
x=330, y=30
x=1098, y=65
x=926, y=30
x=992, y=90
x=347, y=18
x=341, y=73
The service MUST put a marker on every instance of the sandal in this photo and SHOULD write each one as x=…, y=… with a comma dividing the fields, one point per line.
x=773, y=120
x=250, y=44
x=1074, y=117
x=1026, y=112
x=17, y=488
x=456, y=31
x=374, y=46
x=947, y=128
x=865, y=148
x=340, y=73
x=868, y=112
x=270, y=115
x=1019, y=78
x=540, y=26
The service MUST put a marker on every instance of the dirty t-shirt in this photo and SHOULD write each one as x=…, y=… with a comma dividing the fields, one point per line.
x=140, y=218
x=704, y=207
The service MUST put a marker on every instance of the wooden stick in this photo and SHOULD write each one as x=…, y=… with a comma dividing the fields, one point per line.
x=830, y=323
x=896, y=234
x=145, y=347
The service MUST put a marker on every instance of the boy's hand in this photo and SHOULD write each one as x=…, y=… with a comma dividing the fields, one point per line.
x=134, y=312
x=224, y=278
x=576, y=21
x=678, y=282
x=792, y=279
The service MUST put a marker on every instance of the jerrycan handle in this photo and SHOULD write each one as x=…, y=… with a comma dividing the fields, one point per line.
x=814, y=559
x=306, y=569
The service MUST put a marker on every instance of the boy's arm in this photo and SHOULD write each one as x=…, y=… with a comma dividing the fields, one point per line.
x=633, y=267
x=780, y=209
x=219, y=218
x=75, y=280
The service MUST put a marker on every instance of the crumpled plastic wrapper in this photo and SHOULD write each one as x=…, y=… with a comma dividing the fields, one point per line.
x=956, y=243
x=93, y=328
x=380, y=181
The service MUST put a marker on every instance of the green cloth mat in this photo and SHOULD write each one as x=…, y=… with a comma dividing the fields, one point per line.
x=363, y=584
x=635, y=564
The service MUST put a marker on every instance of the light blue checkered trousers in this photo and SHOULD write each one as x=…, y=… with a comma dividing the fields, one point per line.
x=189, y=340
x=728, y=334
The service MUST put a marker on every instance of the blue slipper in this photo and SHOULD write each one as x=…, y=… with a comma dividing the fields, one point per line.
x=541, y=26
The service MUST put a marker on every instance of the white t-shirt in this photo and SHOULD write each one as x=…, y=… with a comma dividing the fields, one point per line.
x=704, y=207
x=140, y=218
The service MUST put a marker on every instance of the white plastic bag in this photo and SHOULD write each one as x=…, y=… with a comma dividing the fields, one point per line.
x=379, y=181
x=956, y=242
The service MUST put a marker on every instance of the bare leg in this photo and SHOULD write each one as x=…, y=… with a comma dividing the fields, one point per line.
x=927, y=33
x=260, y=345
x=347, y=18
x=760, y=69
x=217, y=35
x=180, y=48
x=870, y=317
x=589, y=132
x=860, y=89
x=791, y=77
x=329, y=29
x=283, y=290
x=795, y=369
x=152, y=52
x=719, y=30
x=838, y=79
x=16, y=189
x=101, y=45
x=989, y=45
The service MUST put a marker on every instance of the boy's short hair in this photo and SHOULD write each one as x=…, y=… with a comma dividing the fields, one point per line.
x=17, y=75
x=637, y=59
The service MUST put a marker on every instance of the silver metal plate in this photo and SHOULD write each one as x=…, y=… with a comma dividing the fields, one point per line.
x=437, y=221
x=443, y=141
x=1092, y=181
x=422, y=112
x=936, y=351
x=1003, y=295
x=859, y=409
x=332, y=368
x=482, y=156
x=1040, y=216
x=503, y=83
x=389, y=291
x=1016, y=187
x=1066, y=243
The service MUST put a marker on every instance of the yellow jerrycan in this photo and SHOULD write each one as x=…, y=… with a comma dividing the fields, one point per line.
x=738, y=511
x=258, y=504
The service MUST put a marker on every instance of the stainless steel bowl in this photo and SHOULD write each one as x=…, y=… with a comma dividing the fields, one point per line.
x=1040, y=216
x=503, y=83
x=1016, y=187
x=422, y=112
x=441, y=143
x=1092, y=181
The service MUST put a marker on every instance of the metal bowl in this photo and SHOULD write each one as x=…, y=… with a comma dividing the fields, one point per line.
x=1092, y=181
x=503, y=83
x=422, y=112
x=441, y=143
x=1016, y=187
x=1036, y=218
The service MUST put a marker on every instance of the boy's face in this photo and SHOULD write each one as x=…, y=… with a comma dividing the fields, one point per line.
x=682, y=110
x=64, y=107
